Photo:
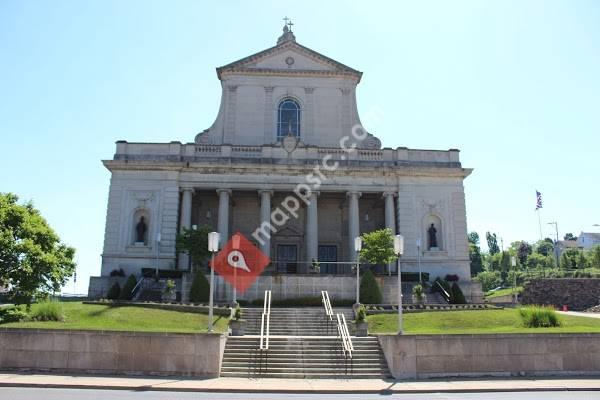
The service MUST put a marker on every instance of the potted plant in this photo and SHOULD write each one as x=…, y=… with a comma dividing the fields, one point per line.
x=362, y=326
x=236, y=323
x=418, y=294
x=169, y=291
x=316, y=266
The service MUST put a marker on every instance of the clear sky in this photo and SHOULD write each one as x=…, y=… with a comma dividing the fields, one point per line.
x=514, y=84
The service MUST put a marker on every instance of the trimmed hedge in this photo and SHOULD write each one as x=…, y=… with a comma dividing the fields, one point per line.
x=114, y=292
x=127, y=291
x=456, y=294
x=370, y=293
x=200, y=289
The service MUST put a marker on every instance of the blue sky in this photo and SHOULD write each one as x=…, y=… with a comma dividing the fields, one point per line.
x=514, y=84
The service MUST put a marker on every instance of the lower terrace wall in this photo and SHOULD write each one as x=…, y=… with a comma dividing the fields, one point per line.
x=576, y=293
x=437, y=356
x=106, y=352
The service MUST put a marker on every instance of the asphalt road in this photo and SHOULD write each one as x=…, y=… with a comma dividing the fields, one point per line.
x=90, y=394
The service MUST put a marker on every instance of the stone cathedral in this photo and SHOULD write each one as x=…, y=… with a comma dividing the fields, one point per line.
x=287, y=143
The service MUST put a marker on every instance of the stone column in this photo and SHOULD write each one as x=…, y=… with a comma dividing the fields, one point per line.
x=185, y=222
x=312, y=231
x=265, y=216
x=390, y=219
x=353, y=221
x=223, y=221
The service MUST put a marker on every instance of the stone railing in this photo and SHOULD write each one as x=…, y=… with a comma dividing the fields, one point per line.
x=198, y=152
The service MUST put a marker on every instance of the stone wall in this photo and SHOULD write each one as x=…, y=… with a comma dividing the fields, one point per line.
x=437, y=356
x=576, y=293
x=111, y=352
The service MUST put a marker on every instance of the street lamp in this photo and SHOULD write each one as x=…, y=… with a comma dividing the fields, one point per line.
x=235, y=245
x=398, y=250
x=357, y=249
x=213, y=247
x=419, y=260
x=513, y=262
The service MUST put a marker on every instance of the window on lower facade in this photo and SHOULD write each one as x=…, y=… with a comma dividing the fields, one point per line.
x=328, y=254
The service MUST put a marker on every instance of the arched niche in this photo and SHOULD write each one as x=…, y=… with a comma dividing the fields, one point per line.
x=438, y=226
x=141, y=227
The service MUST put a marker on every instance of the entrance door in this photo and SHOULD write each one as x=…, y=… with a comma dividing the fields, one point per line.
x=328, y=254
x=287, y=258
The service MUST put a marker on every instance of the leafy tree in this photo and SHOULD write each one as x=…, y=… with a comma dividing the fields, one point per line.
x=127, y=291
x=492, y=242
x=594, y=256
x=33, y=260
x=456, y=294
x=489, y=280
x=523, y=251
x=476, y=259
x=370, y=293
x=114, y=292
x=540, y=261
x=570, y=236
x=200, y=289
x=195, y=243
x=473, y=238
x=378, y=247
x=505, y=265
x=570, y=258
x=544, y=247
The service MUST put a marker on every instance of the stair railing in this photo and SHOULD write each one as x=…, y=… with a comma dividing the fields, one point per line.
x=443, y=292
x=346, y=342
x=137, y=287
x=265, y=329
x=328, y=310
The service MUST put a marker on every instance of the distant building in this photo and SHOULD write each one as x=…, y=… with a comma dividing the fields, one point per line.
x=563, y=245
x=587, y=240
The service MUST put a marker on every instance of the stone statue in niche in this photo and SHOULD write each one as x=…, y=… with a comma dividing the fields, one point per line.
x=140, y=230
x=432, y=232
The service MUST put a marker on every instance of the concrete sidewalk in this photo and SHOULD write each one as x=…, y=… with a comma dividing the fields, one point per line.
x=297, y=385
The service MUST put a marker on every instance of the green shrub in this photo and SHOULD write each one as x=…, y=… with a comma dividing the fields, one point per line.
x=114, y=292
x=539, y=317
x=48, y=310
x=370, y=293
x=456, y=295
x=361, y=314
x=418, y=292
x=12, y=314
x=237, y=314
x=127, y=291
x=200, y=289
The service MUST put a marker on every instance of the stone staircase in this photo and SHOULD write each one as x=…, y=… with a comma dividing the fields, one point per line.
x=302, y=345
x=307, y=321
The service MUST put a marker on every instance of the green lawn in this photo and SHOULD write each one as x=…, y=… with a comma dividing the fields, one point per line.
x=126, y=318
x=503, y=292
x=480, y=321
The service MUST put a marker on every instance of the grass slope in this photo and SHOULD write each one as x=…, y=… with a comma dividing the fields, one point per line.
x=126, y=318
x=484, y=321
x=503, y=292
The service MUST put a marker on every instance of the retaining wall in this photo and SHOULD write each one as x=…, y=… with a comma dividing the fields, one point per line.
x=106, y=352
x=576, y=293
x=437, y=356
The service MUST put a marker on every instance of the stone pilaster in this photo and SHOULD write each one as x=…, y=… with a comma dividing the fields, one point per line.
x=312, y=231
x=185, y=222
x=268, y=118
x=231, y=114
x=390, y=219
x=265, y=216
x=223, y=219
x=353, y=221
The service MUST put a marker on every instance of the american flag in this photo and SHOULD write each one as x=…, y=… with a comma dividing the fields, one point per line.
x=538, y=203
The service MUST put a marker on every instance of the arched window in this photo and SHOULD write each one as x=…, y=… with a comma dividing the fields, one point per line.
x=288, y=118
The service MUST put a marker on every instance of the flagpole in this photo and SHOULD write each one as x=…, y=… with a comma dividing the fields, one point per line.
x=540, y=222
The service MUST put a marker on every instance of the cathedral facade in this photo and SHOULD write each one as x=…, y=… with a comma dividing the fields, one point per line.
x=288, y=164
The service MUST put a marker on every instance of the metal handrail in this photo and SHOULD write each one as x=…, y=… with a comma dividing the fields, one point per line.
x=266, y=315
x=443, y=292
x=137, y=286
x=344, y=334
x=327, y=304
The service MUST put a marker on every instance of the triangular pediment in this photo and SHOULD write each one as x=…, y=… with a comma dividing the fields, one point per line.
x=288, y=57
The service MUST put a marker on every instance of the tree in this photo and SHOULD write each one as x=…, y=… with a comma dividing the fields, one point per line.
x=456, y=295
x=33, y=260
x=505, y=266
x=570, y=236
x=370, y=293
x=489, y=280
x=476, y=259
x=114, y=292
x=492, y=242
x=127, y=291
x=523, y=251
x=544, y=247
x=594, y=256
x=570, y=258
x=195, y=243
x=539, y=261
x=473, y=238
x=378, y=247
x=200, y=289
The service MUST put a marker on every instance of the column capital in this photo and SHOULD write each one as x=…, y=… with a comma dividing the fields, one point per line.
x=353, y=193
x=186, y=189
x=389, y=193
x=268, y=191
x=228, y=191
